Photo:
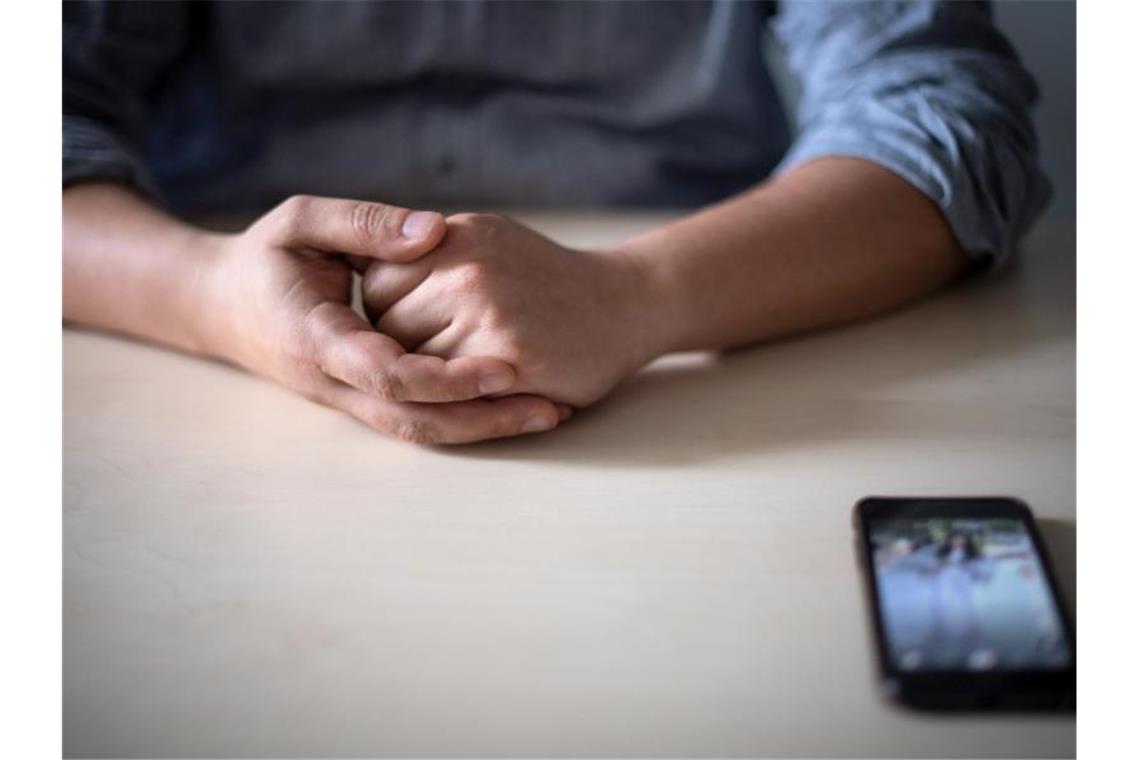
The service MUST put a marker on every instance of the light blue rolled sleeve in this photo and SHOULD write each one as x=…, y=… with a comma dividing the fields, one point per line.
x=930, y=91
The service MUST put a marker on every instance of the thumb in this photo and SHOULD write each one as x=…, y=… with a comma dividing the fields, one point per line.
x=358, y=228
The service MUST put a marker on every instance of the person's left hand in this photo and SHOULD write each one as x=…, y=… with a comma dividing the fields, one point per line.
x=573, y=323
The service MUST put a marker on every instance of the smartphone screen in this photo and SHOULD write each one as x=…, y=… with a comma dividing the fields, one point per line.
x=965, y=593
x=964, y=604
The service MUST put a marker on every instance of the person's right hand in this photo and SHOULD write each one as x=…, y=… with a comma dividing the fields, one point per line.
x=279, y=300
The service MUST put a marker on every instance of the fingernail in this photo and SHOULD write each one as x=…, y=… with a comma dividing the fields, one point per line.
x=495, y=383
x=537, y=424
x=419, y=224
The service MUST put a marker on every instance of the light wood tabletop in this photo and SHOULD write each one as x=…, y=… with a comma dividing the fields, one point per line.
x=671, y=573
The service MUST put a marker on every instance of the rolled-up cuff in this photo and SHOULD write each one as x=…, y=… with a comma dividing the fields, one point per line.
x=92, y=151
x=986, y=238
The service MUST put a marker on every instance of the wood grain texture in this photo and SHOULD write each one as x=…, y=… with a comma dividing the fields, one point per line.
x=248, y=574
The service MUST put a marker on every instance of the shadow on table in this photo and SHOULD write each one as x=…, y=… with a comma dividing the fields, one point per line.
x=811, y=390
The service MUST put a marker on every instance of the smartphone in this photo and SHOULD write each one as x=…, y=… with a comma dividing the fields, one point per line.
x=964, y=605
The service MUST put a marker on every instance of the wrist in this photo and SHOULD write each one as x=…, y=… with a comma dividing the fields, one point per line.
x=644, y=303
x=206, y=304
x=654, y=313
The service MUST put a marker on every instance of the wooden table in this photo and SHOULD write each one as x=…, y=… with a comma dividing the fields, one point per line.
x=248, y=574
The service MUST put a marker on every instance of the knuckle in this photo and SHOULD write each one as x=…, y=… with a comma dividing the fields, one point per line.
x=475, y=230
x=376, y=419
x=370, y=283
x=287, y=218
x=373, y=221
x=470, y=276
x=487, y=219
x=311, y=391
x=314, y=328
x=416, y=431
x=386, y=385
x=476, y=226
x=496, y=321
x=465, y=219
x=308, y=380
x=297, y=347
x=517, y=350
x=517, y=354
x=295, y=205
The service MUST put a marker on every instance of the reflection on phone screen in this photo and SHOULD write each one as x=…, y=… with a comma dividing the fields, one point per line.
x=965, y=594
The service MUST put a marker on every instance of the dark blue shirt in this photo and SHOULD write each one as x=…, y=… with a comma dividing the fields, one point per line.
x=232, y=106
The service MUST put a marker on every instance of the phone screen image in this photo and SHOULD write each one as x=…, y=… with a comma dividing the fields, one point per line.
x=965, y=594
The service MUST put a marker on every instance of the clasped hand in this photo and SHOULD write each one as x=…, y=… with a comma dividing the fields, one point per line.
x=480, y=327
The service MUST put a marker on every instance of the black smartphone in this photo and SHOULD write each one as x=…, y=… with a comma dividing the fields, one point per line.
x=964, y=605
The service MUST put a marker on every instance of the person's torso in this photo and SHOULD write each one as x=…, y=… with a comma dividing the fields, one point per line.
x=487, y=103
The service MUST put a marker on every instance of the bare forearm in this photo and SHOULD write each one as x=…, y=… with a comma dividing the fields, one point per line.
x=833, y=241
x=130, y=267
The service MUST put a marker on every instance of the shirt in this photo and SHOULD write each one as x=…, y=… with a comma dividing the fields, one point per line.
x=233, y=106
